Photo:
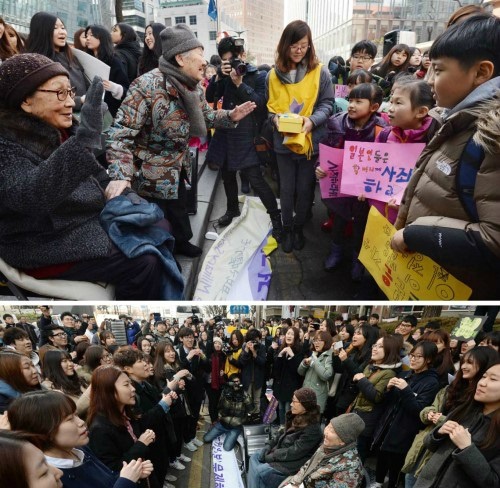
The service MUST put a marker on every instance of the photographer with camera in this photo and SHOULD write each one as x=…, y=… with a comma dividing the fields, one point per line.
x=234, y=407
x=252, y=362
x=233, y=150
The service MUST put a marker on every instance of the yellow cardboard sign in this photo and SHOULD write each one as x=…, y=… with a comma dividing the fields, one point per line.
x=405, y=277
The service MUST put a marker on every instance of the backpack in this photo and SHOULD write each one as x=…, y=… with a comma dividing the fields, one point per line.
x=468, y=165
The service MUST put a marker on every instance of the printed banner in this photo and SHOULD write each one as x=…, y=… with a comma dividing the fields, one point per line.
x=405, y=277
x=468, y=327
x=225, y=466
x=341, y=91
x=378, y=170
x=330, y=161
x=270, y=412
x=237, y=267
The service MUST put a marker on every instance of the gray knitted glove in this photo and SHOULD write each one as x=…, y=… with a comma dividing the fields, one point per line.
x=90, y=128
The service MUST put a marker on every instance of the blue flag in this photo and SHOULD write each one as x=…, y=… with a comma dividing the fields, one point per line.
x=212, y=9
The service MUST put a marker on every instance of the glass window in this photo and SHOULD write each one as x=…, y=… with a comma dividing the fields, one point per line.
x=180, y=20
x=212, y=35
x=192, y=20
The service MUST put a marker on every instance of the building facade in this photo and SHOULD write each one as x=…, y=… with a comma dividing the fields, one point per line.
x=262, y=24
x=193, y=13
x=337, y=26
x=74, y=13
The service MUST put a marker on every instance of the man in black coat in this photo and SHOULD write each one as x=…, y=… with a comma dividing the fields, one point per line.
x=234, y=150
x=192, y=358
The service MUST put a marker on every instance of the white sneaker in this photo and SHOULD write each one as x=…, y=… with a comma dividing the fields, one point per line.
x=177, y=465
x=168, y=485
x=184, y=459
x=197, y=442
x=190, y=446
x=170, y=477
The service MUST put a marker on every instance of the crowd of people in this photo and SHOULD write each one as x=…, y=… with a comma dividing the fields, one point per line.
x=422, y=406
x=128, y=157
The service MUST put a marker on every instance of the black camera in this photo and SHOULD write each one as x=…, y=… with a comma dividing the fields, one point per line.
x=239, y=66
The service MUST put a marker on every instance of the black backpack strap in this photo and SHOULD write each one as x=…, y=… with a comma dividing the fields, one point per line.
x=468, y=166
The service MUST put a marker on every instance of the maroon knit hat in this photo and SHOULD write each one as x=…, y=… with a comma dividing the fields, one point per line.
x=307, y=398
x=22, y=74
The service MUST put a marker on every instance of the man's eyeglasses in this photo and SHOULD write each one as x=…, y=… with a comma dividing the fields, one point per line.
x=360, y=56
x=62, y=95
x=60, y=334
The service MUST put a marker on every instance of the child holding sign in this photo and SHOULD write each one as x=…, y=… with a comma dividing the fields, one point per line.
x=360, y=123
x=410, y=121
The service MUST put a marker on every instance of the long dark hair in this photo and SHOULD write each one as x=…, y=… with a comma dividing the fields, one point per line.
x=296, y=345
x=105, y=51
x=11, y=371
x=92, y=357
x=371, y=336
x=472, y=408
x=103, y=397
x=444, y=361
x=462, y=391
x=41, y=413
x=293, y=33
x=127, y=31
x=385, y=66
x=41, y=37
x=53, y=371
x=160, y=363
x=13, y=468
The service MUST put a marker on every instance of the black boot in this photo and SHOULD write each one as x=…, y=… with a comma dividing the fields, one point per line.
x=287, y=240
x=277, y=225
x=299, y=240
x=228, y=217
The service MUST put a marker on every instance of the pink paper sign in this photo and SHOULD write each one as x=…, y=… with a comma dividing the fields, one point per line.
x=341, y=91
x=330, y=161
x=378, y=170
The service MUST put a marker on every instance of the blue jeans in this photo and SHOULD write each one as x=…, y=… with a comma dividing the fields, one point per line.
x=262, y=475
x=410, y=481
x=218, y=429
x=283, y=408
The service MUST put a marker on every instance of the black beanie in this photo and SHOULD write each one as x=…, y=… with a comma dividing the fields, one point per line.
x=22, y=74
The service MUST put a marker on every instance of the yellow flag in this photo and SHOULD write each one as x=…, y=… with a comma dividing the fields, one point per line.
x=405, y=277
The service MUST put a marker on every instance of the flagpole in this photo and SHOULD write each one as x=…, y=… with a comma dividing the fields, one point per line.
x=218, y=18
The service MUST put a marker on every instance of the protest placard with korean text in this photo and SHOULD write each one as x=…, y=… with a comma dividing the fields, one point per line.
x=341, y=91
x=378, y=170
x=408, y=276
x=330, y=160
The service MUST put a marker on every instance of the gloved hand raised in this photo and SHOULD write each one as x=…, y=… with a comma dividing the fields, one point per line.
x=89, y=131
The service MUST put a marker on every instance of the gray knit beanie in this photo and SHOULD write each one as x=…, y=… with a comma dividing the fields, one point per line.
x=348, y=427
x=22, y=74
x=177, y=40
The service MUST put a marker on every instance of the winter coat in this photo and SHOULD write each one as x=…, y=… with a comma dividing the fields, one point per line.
x=117, y=74
x=472, y=467
x=401, y=422
x=92, y=473
x=231, y=365
x=7, y=395
x=434, y=220
x=291, y=449
x=418, y=455
x=77, y=76
x=347, y=390
x=198, y=366
x=234, y=407
x=129, y=52
x=317, y=375
x=112, y=444
x=252, y=369
x=148, y=142
x=286, y=379
x=372, y=389
x=331, y=469
x=322, y=110
x=50, y=196
x=235, y=147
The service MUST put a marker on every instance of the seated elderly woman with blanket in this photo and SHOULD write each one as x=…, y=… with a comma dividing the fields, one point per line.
x=52, y=189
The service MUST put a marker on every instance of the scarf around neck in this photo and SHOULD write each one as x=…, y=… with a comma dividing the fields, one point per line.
x=188, y=96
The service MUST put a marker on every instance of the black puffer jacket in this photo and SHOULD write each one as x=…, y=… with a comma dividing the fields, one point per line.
x=129, y=52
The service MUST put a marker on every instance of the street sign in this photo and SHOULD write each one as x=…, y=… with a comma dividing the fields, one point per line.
x=239, y=309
